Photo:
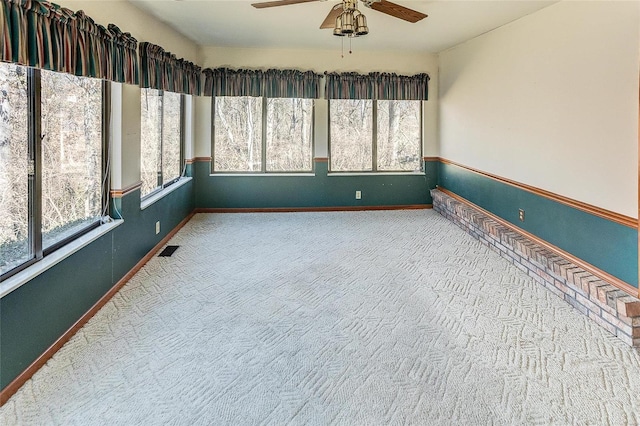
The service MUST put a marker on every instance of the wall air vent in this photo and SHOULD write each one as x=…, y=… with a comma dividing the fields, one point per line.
x=168, y=251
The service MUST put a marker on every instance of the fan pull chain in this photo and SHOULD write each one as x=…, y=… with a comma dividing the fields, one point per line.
x=350, y=52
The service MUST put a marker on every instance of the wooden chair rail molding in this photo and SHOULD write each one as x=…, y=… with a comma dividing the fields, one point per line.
x=621, y=219
x=119, y=193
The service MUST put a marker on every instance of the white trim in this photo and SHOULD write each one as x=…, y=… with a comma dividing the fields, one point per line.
x=262, y=174
x=56, y=257
x=153, y=197
x=376, y=174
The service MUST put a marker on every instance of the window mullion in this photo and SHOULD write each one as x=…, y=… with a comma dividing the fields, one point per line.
x=213, y=134
x=183, y=131
x=263, y=142
x=328, y=136
x=35, y=162
x=106, y=147
x=421, y=138
x=374, y=136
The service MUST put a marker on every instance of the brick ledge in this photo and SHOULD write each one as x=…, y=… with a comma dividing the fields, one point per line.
x=613, y=309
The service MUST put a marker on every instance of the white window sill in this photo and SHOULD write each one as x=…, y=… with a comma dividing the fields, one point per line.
x=56, y=257
x=303, y=174
x=163, y=192
x=376, y=174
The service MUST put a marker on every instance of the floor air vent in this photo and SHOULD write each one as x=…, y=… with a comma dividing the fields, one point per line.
x=168, y=251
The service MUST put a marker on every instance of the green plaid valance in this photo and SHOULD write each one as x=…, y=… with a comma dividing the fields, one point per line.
x=44, y=35
x=271, y=83
x=163, y=71
x=383, y=86
x=348, y=85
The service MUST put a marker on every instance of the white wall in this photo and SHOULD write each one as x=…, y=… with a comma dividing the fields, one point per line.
x=321, y=61
x=125, y=159
x=550, y=100
x=132, y=20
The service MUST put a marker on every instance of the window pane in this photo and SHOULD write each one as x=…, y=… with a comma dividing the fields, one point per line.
x=71, y=154
x=289, y=130
x=150, y=139
x=350, y=128
x=399, y=135
x=170, y=136
x=238, y=134
x=14, y=186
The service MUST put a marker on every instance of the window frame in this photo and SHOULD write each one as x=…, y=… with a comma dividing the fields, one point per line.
x=374, y=142
x=263, y=142
x=159, y=175
x=34, y=153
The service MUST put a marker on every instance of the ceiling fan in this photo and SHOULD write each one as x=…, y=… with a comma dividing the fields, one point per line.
x=346, y=19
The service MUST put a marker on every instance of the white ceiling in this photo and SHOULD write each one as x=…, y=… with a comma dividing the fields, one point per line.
x=235, y=23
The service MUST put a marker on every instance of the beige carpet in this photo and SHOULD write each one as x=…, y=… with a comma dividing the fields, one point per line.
x=359, y=318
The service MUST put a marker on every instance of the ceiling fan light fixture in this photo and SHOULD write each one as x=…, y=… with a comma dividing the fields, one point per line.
x=337, y=31
x=347, y=23
x=361, y=25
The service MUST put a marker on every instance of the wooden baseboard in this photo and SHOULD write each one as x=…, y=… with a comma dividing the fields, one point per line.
x=312, y=209
x=22, y=378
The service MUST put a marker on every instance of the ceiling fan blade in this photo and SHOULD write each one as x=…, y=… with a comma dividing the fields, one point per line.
x=396, y=10
x=330, y=20
x=279, y=3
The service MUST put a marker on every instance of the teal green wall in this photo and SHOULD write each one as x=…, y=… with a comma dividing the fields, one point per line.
x=607, y=245
x=35, y=315
x=318, y=190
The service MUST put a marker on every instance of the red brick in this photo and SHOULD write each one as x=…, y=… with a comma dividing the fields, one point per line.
x=537, y=278
x=612, y=311
x=544, y=275
x=588, y=303
x=613, y=296
x=628, y=306
x=563, y=288
x=633, y=322
x=586, y=281
x=579, y=276
x=574, y=275
x=603, y=291
x=593, y=288
x=616, y=322
x=583, y=309
x=568, y=270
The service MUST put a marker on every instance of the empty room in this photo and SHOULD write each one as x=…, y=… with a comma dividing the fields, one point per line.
x=319, y=212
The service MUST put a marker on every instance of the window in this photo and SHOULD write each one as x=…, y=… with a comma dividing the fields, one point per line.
x=161, y=139
x=253, y=134
x=52, y=170
x=14, y=167
x=351, y=131
x=375, y=136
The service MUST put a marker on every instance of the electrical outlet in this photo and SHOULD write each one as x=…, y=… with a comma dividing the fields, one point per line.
x=157, y=227
x=358, y=195
x=521, y=215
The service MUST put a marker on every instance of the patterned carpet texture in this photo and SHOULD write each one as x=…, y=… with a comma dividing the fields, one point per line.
x=355, y=318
